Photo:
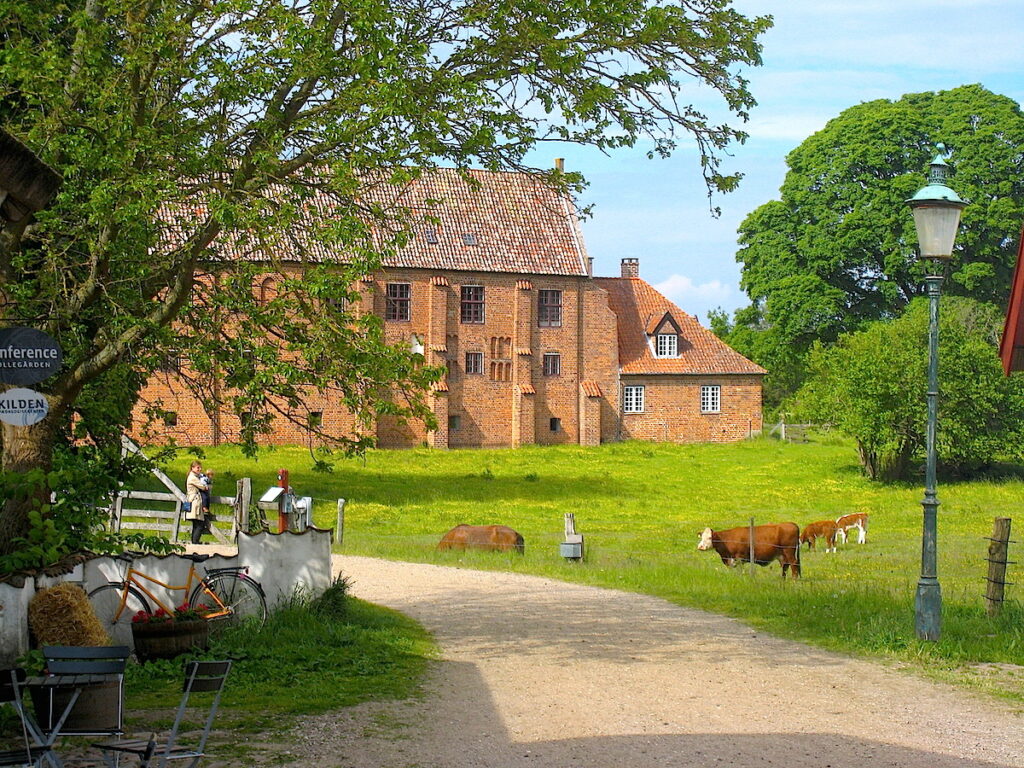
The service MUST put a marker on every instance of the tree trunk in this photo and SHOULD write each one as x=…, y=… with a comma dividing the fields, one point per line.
x=899, y=463
x=868, y=460
x=25, y=449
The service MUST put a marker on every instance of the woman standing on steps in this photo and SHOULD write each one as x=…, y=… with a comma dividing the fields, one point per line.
x=195, y=485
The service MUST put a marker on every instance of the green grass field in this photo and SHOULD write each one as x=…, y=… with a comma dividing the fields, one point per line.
x=641, y=507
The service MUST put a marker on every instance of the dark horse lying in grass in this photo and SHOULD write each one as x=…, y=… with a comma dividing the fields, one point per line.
x=498, y=538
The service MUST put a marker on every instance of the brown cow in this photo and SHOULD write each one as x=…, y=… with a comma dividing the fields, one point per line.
x=858, y=520
x=779, y=541
x=497, y=538
x=823, y=529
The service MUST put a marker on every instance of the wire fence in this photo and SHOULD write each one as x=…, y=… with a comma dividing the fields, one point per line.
x=609, y=544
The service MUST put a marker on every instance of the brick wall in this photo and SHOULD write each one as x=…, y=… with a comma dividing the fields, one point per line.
x=672, y=409
x=512, y=402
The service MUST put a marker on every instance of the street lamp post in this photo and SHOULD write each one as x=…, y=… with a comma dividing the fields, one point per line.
x=936, y=210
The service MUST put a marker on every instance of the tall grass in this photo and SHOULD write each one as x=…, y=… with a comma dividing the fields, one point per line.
x=312, y=656
x=641, y=506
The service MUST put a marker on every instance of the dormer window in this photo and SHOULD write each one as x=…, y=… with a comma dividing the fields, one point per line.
x=663, y=334
x=666, y=345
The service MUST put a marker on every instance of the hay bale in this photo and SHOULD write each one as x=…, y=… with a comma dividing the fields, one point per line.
x=63, y=615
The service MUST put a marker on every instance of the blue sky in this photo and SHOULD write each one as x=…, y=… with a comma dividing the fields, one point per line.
x=821, y=57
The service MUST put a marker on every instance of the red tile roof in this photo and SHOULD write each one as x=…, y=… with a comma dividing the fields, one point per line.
x=638, y=307
x=507, y=222
x=1011, y=348
x=590, y=388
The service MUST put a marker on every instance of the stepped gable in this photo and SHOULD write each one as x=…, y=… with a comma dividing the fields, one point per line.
x=504, y=222
x=640, y=309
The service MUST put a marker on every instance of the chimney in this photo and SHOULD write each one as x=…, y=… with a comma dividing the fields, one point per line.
x=590, y=266
x=560, y=164
x=631, y=267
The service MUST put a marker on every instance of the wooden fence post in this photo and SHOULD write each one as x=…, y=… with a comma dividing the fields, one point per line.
x=750, y=538
x=998, y=547
x=339, y=528
x=176, y=525
x=115, y=517
x=243, y=497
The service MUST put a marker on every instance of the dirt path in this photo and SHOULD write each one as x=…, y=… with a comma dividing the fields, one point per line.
x=542, y=673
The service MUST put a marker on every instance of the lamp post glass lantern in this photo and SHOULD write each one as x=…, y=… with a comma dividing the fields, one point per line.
x=936, y=210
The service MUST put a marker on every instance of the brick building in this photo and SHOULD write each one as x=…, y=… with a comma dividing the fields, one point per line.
x=497, y=287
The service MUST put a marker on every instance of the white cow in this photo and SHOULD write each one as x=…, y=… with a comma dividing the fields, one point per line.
x=858, y=520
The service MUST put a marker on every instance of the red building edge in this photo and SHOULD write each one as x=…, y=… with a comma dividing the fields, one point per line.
x=1011, y=348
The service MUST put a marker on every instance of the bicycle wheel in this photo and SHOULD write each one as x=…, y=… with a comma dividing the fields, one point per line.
x=106, y=601
x=241, y=597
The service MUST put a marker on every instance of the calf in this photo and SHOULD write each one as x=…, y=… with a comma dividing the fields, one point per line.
x=858, y=520
x=499, y=538
x=823, y=529
x=779, y=541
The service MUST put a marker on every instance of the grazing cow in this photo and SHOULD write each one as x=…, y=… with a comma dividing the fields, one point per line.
x=779, y=541
x=823, y=529
x=497, y=538
x=858, y=520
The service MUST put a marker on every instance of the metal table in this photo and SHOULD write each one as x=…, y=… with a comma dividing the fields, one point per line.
x=51, y=721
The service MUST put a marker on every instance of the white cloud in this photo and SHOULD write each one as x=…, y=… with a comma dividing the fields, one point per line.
x=789, y=127
x=683, y=291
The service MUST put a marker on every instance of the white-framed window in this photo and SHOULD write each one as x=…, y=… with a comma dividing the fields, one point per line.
x=474, y=363
x=710, y=398
x=472, y=310
x=666, y=345
x=633, y=399
x=552, y=364
x=397, y=298
x=549, y=308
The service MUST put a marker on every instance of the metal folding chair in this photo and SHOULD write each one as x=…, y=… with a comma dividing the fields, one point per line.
x=200, y=677
x=101, y=670
x=35, y=751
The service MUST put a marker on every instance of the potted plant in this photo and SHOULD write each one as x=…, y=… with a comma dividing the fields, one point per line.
x=164, y=635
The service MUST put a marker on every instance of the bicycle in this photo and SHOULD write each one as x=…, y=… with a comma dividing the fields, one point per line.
x=226, y=597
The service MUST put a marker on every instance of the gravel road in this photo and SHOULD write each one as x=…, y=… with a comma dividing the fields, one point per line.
x=542, y=673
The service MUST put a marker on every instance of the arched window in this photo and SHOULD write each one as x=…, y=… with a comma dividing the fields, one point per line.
x=266, y=290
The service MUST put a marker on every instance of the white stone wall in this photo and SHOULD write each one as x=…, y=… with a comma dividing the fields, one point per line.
x=285, y=564
x=288, y=563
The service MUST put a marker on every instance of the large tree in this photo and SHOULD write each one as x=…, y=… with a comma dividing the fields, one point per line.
x=837, y=249
x=180, y=125
x=871, y=385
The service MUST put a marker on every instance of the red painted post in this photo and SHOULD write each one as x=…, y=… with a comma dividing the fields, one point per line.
x=282, y=518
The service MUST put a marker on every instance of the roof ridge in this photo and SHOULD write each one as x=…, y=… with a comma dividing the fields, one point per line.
x=634, y=301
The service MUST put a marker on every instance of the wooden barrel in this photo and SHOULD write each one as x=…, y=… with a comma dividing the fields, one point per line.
x=165, y=640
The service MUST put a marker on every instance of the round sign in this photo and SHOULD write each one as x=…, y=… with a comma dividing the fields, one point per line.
x=27, y=356
x=23, y=407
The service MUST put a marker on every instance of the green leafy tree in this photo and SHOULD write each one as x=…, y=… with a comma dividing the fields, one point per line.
x=178, y=126
x=871, y=385
x=837, y=250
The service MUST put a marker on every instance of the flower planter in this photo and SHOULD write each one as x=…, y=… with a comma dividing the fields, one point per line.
x=167, y=639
